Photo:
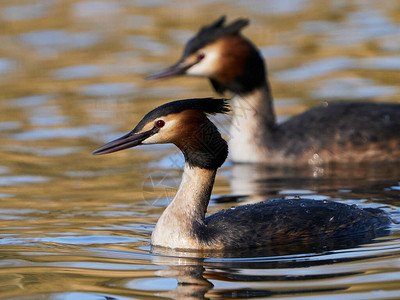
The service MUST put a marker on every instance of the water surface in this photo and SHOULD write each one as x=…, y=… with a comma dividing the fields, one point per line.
x=75, y=226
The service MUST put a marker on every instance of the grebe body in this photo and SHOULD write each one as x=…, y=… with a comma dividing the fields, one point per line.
x=337, y=132
x=184, y=225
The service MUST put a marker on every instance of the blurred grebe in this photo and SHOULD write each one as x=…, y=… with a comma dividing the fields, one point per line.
x=337, y=132
x=183, y=223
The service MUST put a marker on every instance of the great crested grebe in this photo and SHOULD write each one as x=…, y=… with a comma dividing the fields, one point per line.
x=183, y=224
x=337, y=132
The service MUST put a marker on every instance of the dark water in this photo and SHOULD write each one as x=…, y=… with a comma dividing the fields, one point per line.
x=74, y=226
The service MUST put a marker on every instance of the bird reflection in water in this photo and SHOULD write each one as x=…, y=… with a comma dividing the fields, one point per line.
x=196, y=270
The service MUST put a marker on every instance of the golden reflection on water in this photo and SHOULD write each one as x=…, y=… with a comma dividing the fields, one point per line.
x=71, y=78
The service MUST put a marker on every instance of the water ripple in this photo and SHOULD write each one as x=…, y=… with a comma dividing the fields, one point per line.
x=45, y=152
x=79, y=71
x=54, y=133
x=29, y=101
x=10, y=125
x=275, y=7
x=147, y=43
x=6, y=65
x=108, y=89
x=4, y=170
x=352, y=88
x=380, y=63
x=361, y=26
x=21, y=180
x=276, y=51
x=26, y=12
x=315, y=69
x=52, y=41
x=70, y=240
x=95, y=9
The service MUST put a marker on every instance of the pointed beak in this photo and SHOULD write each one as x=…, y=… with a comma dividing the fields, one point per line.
x=124, y=142
x=177, y=69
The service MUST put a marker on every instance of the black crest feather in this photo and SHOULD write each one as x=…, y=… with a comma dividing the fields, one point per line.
x=211, y=33
x=209, y=106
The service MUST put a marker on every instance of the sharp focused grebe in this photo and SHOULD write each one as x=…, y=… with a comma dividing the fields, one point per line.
x=184, y=225
x=338, y=132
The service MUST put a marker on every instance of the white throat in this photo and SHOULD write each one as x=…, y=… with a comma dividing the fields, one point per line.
x=175, y=227
x=253, y=117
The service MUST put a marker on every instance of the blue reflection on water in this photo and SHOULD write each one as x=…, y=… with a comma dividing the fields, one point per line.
x=6, y=65
x=380, y=63
x=390, y=42
x=71, y=240
x=10, y=125
x=171, y=91
x=49, y=120
x=86, y=296
x=352, y=88
x=139, y=22
x=108, y=89
x=54, y=133
x=4, y=170
x=317, y=27
x=22, y=179
x=50, y=41
x=122, y=67
x=13, y=214
x=6, y=195
x=361, y=26
x=79, y=71
x=29, y=101
x=26, y=12
x=45, y=152
x=151, y=3
x=93, y=9
x=315, y=69
x=274, y=7
x=276, y=51
x=147, y=43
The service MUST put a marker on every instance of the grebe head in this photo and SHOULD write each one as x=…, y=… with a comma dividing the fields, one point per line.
x=223, y=55
x=183, y=123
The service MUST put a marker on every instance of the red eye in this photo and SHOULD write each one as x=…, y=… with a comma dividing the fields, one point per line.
x=200, y=56
x=160, y=123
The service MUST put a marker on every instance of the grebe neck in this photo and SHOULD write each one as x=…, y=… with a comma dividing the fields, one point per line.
x=253, y=121
x=179, y=223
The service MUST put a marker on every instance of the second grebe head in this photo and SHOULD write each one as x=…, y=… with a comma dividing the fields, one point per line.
x=183, y=123
x=223, y=55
